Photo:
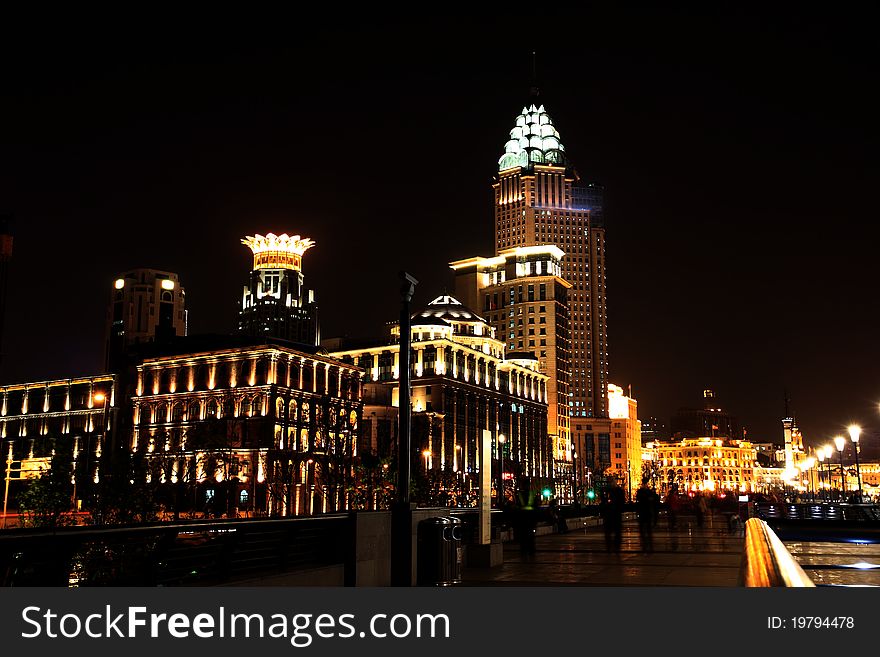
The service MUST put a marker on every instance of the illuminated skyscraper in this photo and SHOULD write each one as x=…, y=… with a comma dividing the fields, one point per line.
x=539, y=199
x=274, y=302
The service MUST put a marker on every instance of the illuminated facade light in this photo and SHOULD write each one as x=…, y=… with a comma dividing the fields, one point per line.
x=119, y=284
x=167, y=284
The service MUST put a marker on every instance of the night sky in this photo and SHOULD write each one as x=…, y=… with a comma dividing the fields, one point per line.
x=738, y=149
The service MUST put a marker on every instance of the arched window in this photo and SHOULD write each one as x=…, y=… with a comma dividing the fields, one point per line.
x=162, y=413
x=257, y=404
x=291, y=411
x=192, y=414
x=279, y=409
x=246, y=406
x=213, y=409
x=306, y=416
x=177, y=412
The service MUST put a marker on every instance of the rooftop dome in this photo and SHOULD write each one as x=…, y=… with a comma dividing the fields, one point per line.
x=448, y=309
x=533, y=140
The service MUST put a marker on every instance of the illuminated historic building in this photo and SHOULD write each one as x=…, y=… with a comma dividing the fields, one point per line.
x=462, y=385
x=146, y=305
x=274, y=302
x=265, y=428
x=68, y=417
x=708, y=464
x=539, y=200
x=525, y=300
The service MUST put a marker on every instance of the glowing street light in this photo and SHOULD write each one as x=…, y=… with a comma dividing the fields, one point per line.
x=501, y=439
x=820, y=454
x=840, y=441
x=854, y=433
x=829, y=450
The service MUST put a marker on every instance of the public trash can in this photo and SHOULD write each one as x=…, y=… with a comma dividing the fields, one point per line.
x=439, y=551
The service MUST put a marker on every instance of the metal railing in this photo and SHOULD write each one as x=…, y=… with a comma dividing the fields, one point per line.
x=201, y=553
x=766, y=561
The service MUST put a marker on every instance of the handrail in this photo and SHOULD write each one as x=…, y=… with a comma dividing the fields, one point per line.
x=766, y=561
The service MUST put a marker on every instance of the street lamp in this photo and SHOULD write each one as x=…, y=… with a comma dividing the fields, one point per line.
x=8, y=477
x=854, y=432
x=840, y=441
x=809, y=462
x=820, y=454
x=577, y=476
x=501, y=439
x=829, y=450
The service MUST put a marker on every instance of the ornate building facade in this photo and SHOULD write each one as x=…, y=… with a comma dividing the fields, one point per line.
x=462, y=386
x=71, y=418
x=267, y=429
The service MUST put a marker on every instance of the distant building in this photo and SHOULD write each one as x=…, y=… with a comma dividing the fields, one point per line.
x=146, y=305
x=706, y=464
x=610, y=446
x=653, y=430
x=463, y=384
x=274, y=301
x=710, y=421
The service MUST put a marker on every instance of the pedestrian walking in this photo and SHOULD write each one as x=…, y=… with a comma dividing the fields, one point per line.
x=611, y=511
x=645, y=503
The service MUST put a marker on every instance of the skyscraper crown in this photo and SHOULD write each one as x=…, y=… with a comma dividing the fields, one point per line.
x=533, y=140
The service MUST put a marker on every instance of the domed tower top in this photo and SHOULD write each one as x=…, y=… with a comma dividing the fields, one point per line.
x=533, y=140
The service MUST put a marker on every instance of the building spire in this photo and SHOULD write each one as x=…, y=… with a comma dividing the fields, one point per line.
x=534, y=91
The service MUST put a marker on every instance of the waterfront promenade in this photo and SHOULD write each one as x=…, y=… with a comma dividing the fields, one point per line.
x=689, y=556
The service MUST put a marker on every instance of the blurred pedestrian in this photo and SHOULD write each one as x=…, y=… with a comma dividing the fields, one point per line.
x=611, y=511
x=645, y=507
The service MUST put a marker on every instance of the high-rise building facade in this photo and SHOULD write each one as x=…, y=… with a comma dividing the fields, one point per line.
x=274, y=302
x=522, y=296
x=146, y=305
x=540, y=200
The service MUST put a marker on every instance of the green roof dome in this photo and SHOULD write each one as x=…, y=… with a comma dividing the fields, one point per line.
x=533, y=140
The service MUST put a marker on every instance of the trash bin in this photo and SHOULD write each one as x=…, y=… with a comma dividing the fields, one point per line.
x=439, y=551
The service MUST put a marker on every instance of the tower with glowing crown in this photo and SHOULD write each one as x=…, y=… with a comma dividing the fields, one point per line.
x=540, y=200
x=274, y=303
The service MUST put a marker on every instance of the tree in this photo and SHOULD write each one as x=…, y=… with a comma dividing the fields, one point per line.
x=47, y=500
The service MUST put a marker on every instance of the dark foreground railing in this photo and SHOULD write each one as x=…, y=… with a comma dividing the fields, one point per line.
x=173, y=554
x=766, y=561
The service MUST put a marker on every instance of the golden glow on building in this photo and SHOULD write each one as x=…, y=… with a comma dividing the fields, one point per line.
x=273, y=251
x=705, y=464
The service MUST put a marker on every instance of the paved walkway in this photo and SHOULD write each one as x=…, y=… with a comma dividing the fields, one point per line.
x=688, y=556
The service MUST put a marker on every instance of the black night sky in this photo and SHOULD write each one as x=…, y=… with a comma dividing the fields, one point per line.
x=738, y=149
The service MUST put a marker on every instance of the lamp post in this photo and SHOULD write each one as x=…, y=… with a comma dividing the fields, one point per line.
x=501, y=439
x=854, y=432
x=820, y=455
x=8, y=477
x=839, y=442
x=577, y=476
x=828, y=451
x=809, y=462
